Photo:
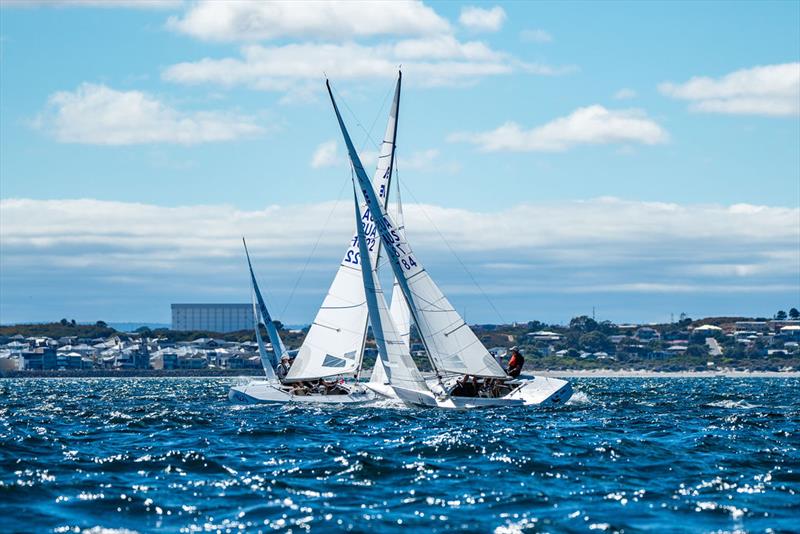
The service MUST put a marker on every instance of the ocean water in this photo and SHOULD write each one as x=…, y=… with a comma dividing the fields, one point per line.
x=633, y=454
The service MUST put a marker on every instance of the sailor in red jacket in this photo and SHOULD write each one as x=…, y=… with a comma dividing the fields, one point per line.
x=515, y=363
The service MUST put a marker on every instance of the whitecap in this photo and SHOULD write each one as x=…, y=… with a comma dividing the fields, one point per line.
x=730, y=404
x=579, y=398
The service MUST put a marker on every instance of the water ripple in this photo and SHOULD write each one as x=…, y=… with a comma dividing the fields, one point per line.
x=121, y=455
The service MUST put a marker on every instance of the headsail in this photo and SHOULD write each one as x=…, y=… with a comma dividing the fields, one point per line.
x=398, y=308
x=393, y=353
x=278, y=349
x=266, y=362
x=451, y=344
x=335, y=342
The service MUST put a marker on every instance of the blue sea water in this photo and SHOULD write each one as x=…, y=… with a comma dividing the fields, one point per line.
x=633, y=454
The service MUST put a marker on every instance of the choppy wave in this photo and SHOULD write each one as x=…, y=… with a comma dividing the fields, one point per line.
x=733, y=404
x=107, y=455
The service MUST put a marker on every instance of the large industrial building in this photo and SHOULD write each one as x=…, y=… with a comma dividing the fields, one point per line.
x=212, y=317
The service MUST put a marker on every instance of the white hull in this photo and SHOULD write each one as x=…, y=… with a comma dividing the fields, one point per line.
x=531, y=391
x=263, y=392
x=383, y=390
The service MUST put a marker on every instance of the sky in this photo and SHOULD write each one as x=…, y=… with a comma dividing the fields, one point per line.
x=633, y=160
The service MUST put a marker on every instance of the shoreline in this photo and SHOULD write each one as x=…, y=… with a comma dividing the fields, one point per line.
x=567, y=373
x=643, y=373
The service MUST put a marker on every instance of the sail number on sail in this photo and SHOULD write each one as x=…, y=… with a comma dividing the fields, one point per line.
x=394, y=242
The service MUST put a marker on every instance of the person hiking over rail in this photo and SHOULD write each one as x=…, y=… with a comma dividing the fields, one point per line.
x=515, y=363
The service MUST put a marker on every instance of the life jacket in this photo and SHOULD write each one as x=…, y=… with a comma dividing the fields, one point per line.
x=516, y=361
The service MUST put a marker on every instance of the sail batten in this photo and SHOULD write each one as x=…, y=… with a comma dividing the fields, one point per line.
x=459, y=352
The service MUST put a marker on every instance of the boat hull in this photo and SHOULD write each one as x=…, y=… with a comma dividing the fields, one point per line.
x=531, y=391
x=542, y=391
x=263, y=392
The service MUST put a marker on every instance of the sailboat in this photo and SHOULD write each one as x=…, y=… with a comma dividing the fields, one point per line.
x=271, y=389
x=451, y=346
x=334, y=345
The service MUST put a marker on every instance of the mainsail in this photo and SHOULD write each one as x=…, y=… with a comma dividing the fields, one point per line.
x=393, y=353
x=335, y=342
x=278, y=349
x=450, y=343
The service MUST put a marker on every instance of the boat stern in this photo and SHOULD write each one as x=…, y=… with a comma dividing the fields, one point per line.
x=543, y=391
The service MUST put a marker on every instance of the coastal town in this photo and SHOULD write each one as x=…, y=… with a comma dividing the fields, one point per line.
x=67, y=348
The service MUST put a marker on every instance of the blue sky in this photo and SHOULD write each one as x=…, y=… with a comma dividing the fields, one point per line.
x=641, y=158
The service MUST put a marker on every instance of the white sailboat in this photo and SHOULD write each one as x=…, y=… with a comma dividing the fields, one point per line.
x=271, y=390
x=334, y=345
x=452, y=347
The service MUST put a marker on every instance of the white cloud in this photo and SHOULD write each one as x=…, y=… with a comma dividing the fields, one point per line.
x=536, y=36
x=561, y=230
x=625, y=94
x=479, y=19
x=431, y=61
x=91, y=251
x=589, y=125
x=325, y=155
x=97, y=114
x=770, y=90
x=250, y=21
x=128, y=4
x=420, y=161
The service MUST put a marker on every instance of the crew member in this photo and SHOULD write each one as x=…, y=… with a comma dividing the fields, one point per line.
x=515, y=363
x=283, y=367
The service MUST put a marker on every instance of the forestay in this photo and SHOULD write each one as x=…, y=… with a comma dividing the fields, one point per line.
x=451, y=344
x=393, y=352
x=335, y=342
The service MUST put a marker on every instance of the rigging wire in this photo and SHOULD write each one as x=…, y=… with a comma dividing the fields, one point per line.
x=313, y=249
x=368, y=133
x=452, y=251
x=338, y=196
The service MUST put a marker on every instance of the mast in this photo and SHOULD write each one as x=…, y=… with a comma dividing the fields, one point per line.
x=335, y=341
x=394, y=117
x=355, y=161
x=450, y=343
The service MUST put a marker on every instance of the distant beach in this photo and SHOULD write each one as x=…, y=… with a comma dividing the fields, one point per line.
x=567, y=373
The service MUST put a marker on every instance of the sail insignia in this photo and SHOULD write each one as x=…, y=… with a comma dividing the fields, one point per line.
x=333, y=361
